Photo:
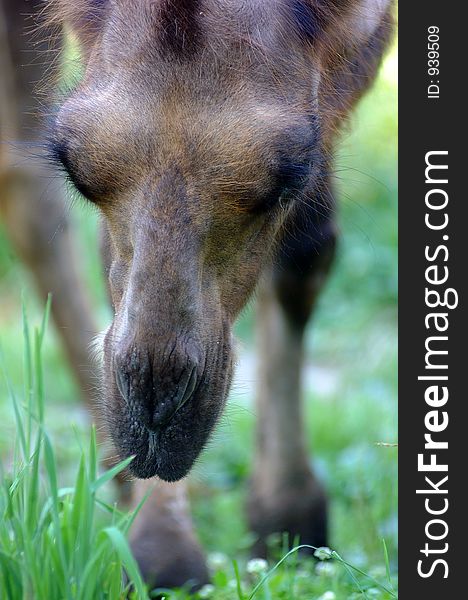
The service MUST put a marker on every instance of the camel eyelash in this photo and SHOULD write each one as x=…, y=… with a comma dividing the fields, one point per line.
x=59, y=156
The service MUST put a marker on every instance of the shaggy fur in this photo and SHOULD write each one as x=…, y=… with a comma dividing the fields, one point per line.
x=196, y=138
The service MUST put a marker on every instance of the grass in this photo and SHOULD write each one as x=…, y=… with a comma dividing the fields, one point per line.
x=350, y=400
x=53, y=544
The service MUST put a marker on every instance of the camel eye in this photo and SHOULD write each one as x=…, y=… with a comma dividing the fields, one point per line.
x=60, y=155
x=293, y=175
x=288, y=180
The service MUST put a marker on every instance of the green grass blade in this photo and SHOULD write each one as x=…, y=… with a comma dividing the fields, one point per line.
x=45, y=320
x=110, y=474
x=16, y=409
x=28, y=374
x=11, y=576
x=93, y=460
x=90, y=576
x=364, y=574
x=38, y=377
x=240, y=593
x=47, y=508
x=128, y=520
x=352, y=575
x=51, y=468
x=122, y=548
x=387, y=564
x=32, y=505
x=80, y=518
x=60, y=556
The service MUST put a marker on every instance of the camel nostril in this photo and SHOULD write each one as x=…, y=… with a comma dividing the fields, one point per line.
x=189, y=389
x=166, y=409
x=153, y=394
x=123, y=384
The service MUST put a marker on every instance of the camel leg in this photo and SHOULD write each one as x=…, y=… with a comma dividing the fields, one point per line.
x=285, y=494
x=39, y=231
x=163, y=539
x=32, y=209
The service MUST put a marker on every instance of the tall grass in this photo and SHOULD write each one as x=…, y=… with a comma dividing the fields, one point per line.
x=52, y=546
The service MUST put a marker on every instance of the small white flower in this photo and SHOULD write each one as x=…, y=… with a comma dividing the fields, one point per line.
x=206, y=591
x=256, y=566
x=217, y=561
x=358, y=559
x=303, y=574
x=328, y=596
x=326, y=569
x=323, y=553
x=373, y=593
x=232, y=584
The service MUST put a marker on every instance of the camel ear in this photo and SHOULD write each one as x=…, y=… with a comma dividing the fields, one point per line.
x=330, y=20
x=313, y=18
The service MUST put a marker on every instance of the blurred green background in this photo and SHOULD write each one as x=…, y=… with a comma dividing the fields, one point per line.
x=350, y=379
